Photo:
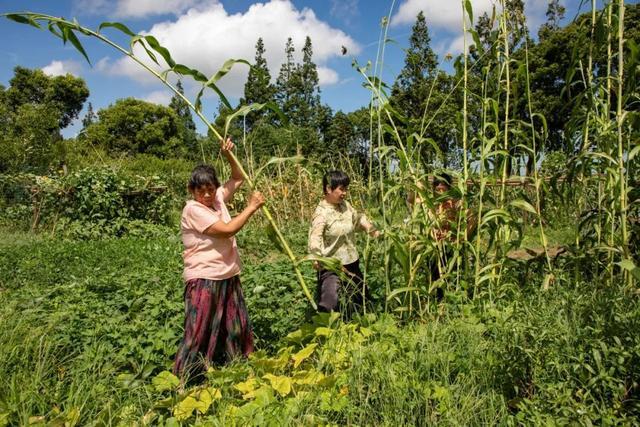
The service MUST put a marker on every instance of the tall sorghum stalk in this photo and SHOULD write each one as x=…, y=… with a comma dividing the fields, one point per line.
x=534, y=153
x=507, y=70
x=465, y=148
x=375, y=106
x=65, y=30
x=620, y=117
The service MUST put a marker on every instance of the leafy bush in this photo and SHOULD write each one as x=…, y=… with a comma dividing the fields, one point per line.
x=92, y=202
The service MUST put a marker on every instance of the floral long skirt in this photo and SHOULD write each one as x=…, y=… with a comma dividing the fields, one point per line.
x=216, y=325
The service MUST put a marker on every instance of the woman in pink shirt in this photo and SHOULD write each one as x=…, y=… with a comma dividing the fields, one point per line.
x=216, y=326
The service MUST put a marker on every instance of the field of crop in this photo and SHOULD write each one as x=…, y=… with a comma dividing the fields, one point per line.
x=523, y=310
x=89, y=329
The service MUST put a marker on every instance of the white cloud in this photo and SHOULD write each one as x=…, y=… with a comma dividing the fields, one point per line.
x=344, y=10
x=205, y=39
x=162, y=97
x=137, y=8
x=447, y=16
x=61, y=68
x=327, y=76
x=442, y=14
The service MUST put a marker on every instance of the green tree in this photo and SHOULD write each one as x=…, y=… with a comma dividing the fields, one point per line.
x=29, y=136
x=555, y=14
x=258, y=88
x=34, y=108
x=187, y=129
x=349, y=136
x=132, y=126
x=285, y=86
x=89, y=118
x=65, y=93
x=410, y=89
x=308, y=94
x=298, y=95
x=421, y=95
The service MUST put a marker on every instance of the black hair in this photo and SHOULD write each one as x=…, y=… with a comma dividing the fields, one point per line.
x=442, y=178
x=334, y=179
x=202, y=176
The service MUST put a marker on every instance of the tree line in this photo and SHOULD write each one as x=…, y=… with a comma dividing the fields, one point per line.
x=426, y=101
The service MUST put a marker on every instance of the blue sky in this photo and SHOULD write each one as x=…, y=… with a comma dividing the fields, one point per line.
x=205, y=33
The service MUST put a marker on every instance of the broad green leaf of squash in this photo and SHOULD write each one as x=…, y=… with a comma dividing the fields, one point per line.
x=303, y=354
x=264, y=396
x=207, y=396
x=247, y=386
x=274, y=364
x=323, y=332
x=4, y=419
x=185, y=408
x=297, y=336
x=279, y=383
x=308, y=377
x=246, y=411
x=165, y=380
x=162, y=404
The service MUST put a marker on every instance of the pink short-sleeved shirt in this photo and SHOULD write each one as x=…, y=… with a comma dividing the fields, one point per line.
x=207, y=257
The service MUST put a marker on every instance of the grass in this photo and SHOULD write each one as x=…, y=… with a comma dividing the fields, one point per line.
x=85, y=326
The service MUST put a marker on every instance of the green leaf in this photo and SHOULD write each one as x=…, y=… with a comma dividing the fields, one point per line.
x=185, y=408
x=223, y=98
x=630, y=266
x=226, y=67
x=634, y=152
x=198, y=104
x=244, y=110
x=53, y=30
x=118, y=26
x=163, y=51
x=68, y=34
x=469, y=9
x=280, y=384
x=206, y=398
x=323, y=331
x=247, y=386
x=22, y=19
x=402, y=290
x=149, y=53
x=303, y=354
x=523, y=204
x=308, y=377
x=277, y=161
x=165, y=380
x=284, y=120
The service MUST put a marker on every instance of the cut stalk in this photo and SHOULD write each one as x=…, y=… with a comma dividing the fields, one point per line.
x=33, y=17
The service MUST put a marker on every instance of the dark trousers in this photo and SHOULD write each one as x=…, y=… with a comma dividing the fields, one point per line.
x=332, y=289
